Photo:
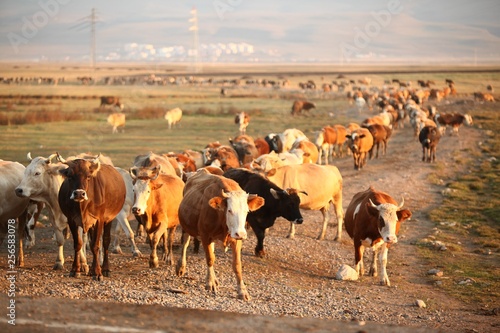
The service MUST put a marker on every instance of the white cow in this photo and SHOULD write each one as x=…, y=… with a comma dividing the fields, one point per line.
x=173, y=117
x=11, y=206
x=290, y=136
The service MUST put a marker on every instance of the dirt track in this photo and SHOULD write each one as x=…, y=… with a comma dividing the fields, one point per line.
x=295, y=280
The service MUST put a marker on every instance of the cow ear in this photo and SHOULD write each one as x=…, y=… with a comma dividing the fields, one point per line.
x=404, y=214
x=255, y=202
x=217, y=203
x=348, y=136
x=362, y=136
x=64, y=172
x=94, y=168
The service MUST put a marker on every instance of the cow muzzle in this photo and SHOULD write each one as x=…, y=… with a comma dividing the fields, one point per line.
x=239, y=235
x=137, y=211
x=20, y=193
x=298, y=221
x=391, y=239
x=79, y=195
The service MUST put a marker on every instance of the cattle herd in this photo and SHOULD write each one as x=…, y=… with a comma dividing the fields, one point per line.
x=215, y=193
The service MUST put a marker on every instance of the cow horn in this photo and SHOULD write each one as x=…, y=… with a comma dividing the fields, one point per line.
x=224, y=194
x=402, y=203
x=132, y=174
x=60, y=158
x=304, y=192
x=49, y=159
x=29, y=156
x=373, y=205
x=96, y=159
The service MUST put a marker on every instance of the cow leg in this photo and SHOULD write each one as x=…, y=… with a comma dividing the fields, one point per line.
x=169, y=258
x=320, y=155
x=260, y=233
x=359, y=249
x=97, y=231
x=374, y=264
x=242, y=289
x=423, y=154
x=77, y=245
x=83, y=251
x=291, y=232
x=211, y=281
x=180, y=269
x=153, y=243
x=384, y=278
x=124, y=224
x=60, y=238
x=339, y=213
x=326, y=218
x=378, y=146
x=106, y=240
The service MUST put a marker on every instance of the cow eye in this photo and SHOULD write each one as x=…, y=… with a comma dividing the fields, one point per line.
x=230, y=211
x=37, y=173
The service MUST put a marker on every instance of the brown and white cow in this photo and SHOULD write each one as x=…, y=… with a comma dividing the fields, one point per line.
x=117, y=120
x=224, y=157
x=173, y=117
x=372, y=220
x=360, y=142
x=156, y=206
x=215, y=208
x=91, y=196
x=323, y=185
x=111, y=100
x=242, y=119
x=455, y=121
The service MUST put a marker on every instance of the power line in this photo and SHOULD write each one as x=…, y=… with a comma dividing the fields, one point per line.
x=195, y=50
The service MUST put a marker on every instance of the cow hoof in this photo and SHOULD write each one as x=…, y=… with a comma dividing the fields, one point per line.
x=85, y=269
x=180, y=270
x=137, y=254
x=97, y=278
x=260, y=254
x=106, y=273
x=117, y=250
x=244, y=296
x=153, y=264
x=57, y=266
x=74, y=274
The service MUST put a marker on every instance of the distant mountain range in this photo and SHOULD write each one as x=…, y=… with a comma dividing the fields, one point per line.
x=423, y=31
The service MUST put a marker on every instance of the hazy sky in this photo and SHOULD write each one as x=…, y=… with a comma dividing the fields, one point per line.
x=321, y=30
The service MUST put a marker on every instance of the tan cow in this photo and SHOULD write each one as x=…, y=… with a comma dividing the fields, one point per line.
x=215, y=208
x=323, y=185
x=173, y=117
x=117, y=120
x=156, y=205
x=309, y=150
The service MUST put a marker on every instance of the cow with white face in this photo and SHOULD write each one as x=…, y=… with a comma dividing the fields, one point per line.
x=372, y=220
x=215, y=208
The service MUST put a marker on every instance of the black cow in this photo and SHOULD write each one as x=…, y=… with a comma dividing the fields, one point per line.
x=91, y=196
x=278, y=202
x=429, y=138
x=111, y=100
